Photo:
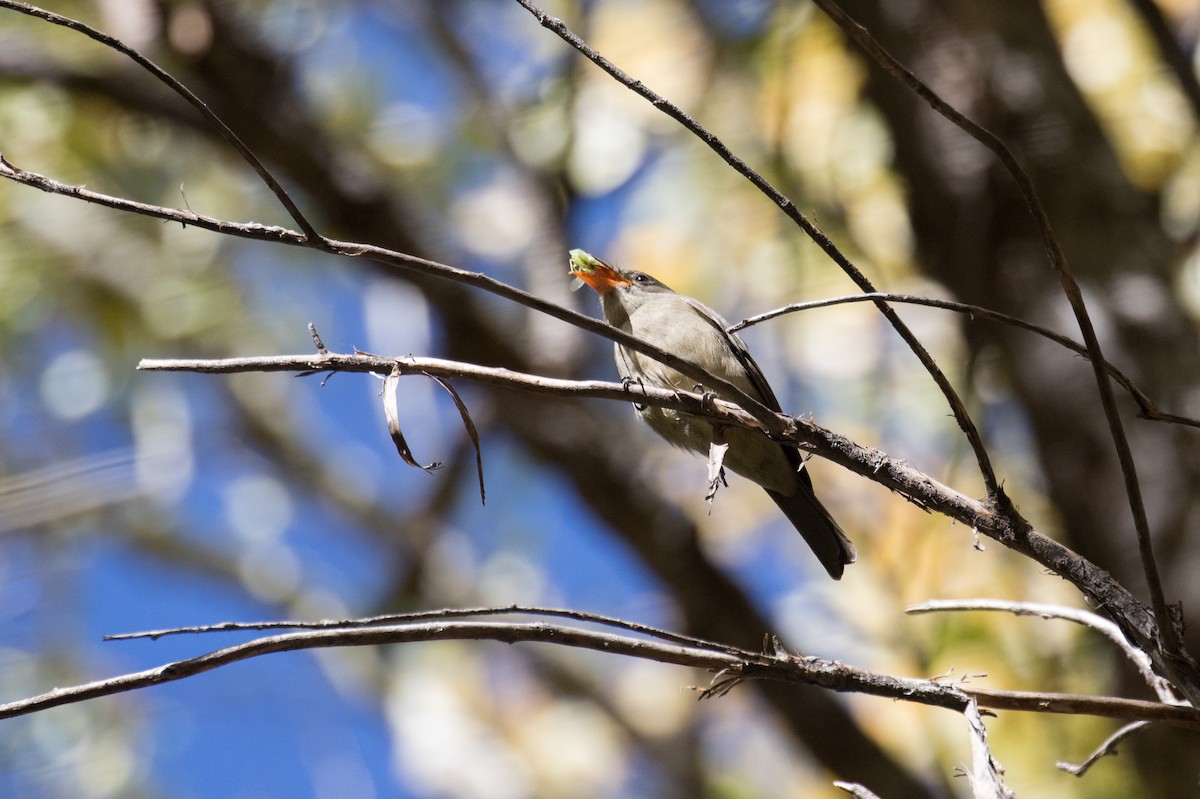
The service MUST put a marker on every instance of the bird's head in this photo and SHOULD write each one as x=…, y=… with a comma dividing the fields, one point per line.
x=618, y=288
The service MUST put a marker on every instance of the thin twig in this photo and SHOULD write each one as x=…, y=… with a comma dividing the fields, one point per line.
x=957, y=406
x=441, y=613
x=1140, y=660
x=378, y=635
x=316, y=340
x=892, y=473
x=362, y=362
x=158, y=72
x=1108, y=747
x=1147, y=408
x=1049, y=611
x=1171, y=639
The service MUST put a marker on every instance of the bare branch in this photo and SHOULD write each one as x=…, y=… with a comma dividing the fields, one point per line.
x=1161, y=687
x=439, y=367
x=1108, y=747
x=440, y=613
x=1084, y=705
x=1047, y=611
x=1148, y=409
x=957, y=407
x=894, y=474
x=740, y=664
x=1171, y=636
x=372, y=636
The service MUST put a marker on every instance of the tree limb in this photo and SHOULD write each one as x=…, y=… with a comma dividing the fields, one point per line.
x=729, y=663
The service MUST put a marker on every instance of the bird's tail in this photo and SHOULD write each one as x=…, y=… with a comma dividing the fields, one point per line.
x=820, y=531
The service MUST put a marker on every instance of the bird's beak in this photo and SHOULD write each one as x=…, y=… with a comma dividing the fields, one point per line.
x=597, y=274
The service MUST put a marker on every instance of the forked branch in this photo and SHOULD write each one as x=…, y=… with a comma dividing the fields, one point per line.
x=724, y=661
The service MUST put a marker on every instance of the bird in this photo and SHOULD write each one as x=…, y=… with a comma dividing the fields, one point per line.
x=641, y=305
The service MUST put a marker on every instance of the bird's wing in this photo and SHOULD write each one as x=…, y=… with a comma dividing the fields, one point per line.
x=740, y=351
x=754, y=372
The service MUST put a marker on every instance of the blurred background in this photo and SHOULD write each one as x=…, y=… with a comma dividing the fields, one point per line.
x=463, y=132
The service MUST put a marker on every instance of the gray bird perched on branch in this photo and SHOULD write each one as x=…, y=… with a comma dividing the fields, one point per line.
x=637, y=303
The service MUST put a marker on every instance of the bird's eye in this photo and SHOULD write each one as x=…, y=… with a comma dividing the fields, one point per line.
x=641, y=278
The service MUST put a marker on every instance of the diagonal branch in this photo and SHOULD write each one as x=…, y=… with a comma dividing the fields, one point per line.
x=957, y=406
x=411, y=263
x=226, y=132
x=1171, y=637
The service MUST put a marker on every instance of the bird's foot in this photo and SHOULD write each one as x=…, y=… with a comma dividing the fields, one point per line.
x=706, y=397
x=628, y=383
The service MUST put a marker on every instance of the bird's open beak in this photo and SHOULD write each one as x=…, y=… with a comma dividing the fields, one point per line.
x=597, y=274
